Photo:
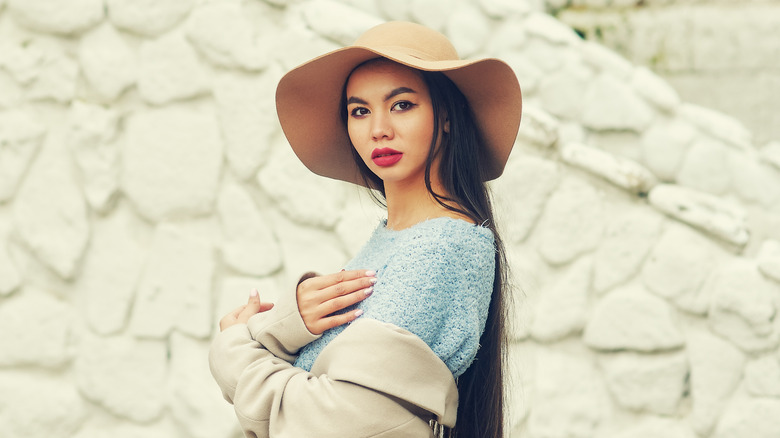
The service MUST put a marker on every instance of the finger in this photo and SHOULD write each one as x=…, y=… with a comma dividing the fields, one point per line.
x=346, y=287
x=324, y=281
x=252, y=307
x=342, y=302
x=337, y=320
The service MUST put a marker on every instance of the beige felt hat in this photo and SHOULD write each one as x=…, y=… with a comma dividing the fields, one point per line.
x=309, y=96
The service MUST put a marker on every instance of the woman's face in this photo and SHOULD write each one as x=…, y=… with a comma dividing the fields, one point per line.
x=390, y=120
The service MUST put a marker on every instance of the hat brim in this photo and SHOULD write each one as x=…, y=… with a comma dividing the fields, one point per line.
x=308, y=101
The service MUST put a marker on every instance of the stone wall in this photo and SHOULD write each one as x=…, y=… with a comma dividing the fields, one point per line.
x=146, y=188
x=717, y=53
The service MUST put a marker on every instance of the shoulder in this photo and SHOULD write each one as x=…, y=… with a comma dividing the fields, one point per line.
x=446, y=234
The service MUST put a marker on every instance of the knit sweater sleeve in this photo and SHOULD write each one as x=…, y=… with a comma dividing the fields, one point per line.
x=438, y=285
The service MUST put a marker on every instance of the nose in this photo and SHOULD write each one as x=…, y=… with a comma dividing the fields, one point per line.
x=381, y=128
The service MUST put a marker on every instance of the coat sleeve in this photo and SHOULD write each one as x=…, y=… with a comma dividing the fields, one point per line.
x=372, y=380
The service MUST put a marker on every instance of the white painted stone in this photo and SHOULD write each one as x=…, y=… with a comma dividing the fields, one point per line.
x=306, y=249
x=222, y=34
x=521, y=194
x=295, y=44
x=468, y=29
x=247, y=116
x=664, y=145
x=569, y=399
x=39, y=405
x=11, y=93
x=655, y=427
x=655, y=90
x=714, y=215
x=571, y=132
x=563, y=308
x=123, y=375
x=752, y=180
x=99, y=426
x=678, y=266
x=549, y=57
x=303, y=196
x=771, y=154
x=538, y=127
x=743, y=308
x=35, y=329
x=57, y=16
x=111, y=270
x=627, y=240
x=91, y=137
x=706, y=167
x=507, y=39
x=50, y=214
x=56, y=80
x=622, y=172
x=337, y=21
x=768, y=259
x=632, y=319
x=504, y=8
x=762, y=377
x=750, y=417
x=174, y=291
x=171, y=162
x=610, y=104
x=360, y=218
x=107, y=62
x=528, y=74
x=10, y=278
x=395, y=10
x=547, y=27
x=604, y=59
x=716, y=370
x=572, y=223
x=562, y=92
x=20, y=137
x=196, y=404
x=170, y=70
x=234, y=291
x=431, y=13
x=147, y=17
x=249, y=244
x=646, y=382
x=718, y=125
x=21, y=61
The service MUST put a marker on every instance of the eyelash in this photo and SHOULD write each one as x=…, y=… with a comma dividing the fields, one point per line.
x=409, y=105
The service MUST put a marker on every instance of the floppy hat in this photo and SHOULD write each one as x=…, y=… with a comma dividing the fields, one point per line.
x=308, y=98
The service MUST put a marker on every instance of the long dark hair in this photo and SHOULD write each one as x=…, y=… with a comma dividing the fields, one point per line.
x=461, y=171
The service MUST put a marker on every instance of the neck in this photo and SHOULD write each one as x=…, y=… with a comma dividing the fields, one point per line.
x=410, y=204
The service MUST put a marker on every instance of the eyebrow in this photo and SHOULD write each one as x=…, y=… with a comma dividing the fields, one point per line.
x=388, y=96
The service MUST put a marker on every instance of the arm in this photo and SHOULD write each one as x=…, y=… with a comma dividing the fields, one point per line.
x=373, y=380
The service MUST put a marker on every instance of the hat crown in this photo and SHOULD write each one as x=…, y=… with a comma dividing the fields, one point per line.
x=414, y=39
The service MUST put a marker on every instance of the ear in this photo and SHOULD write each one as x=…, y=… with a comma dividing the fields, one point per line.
x=446, y=128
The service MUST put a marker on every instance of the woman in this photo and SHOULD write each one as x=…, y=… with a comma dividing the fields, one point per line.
x=410, y=336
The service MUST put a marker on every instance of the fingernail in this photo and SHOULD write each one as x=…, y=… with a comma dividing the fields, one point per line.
x=373, y=281
x=369, y=291
x=370, y=273
x=254, y=293
x=358, y=312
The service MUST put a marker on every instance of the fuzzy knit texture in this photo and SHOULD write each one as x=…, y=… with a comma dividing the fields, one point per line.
x=435, y=280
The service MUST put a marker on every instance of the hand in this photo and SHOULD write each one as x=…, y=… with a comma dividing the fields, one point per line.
x=242, y=313
x=320, y=297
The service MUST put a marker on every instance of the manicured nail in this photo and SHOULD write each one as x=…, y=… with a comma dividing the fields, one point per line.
x=358, y=312
x=368, y=291
x=254, y=293
x=370, y=273
x=373, y=281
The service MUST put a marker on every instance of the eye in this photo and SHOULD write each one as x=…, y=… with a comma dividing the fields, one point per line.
x=402, y=105
x=359, y=111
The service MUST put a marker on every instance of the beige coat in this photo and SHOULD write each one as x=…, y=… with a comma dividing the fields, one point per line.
x=373, y=380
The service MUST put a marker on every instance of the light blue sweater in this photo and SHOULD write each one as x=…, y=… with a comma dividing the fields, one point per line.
x=435, y=280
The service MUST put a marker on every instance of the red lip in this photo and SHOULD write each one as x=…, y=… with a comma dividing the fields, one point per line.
x=385, y=156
